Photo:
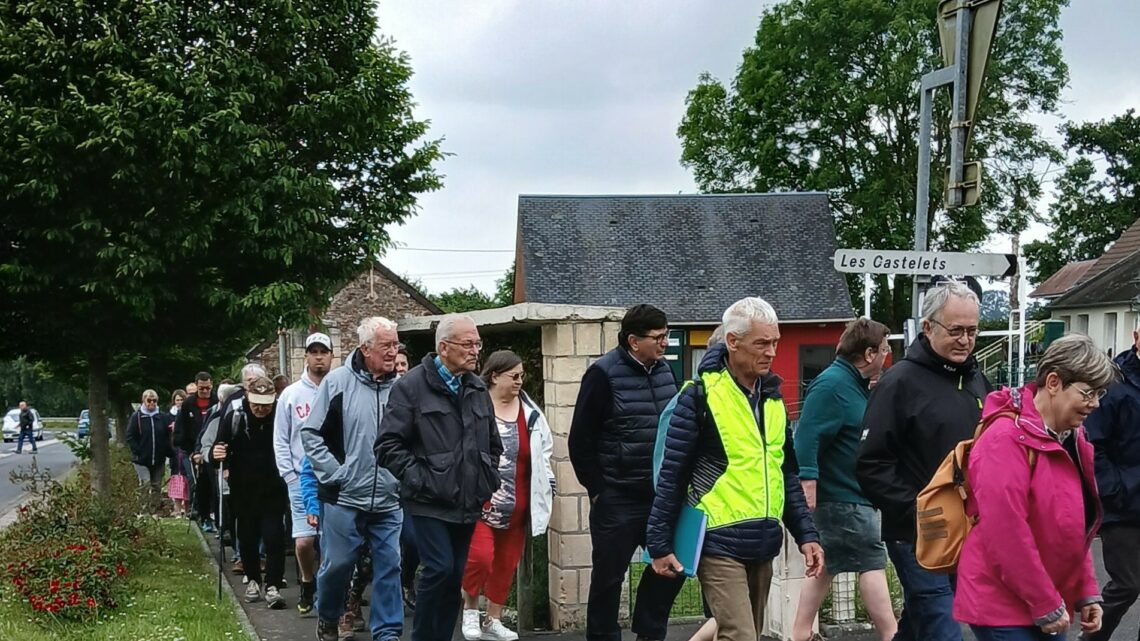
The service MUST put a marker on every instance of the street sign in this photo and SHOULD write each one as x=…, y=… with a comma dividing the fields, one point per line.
x=971, y=184
x=886, y=261
x=981, y=32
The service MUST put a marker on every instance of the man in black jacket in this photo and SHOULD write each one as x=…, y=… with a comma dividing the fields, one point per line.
x=187, y=425
x=1114, y=430
x=439, y=438
x=921, y=408
x=611, y=444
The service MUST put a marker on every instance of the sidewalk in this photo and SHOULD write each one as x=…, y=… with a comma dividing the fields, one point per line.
x=288, y=625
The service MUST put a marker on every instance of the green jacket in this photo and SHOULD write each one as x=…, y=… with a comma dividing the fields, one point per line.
x=828, y=433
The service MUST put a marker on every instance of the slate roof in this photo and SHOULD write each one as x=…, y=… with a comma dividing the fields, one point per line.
x=1123, y=247
x=1063, y=280
x=691, y=255
x=1120, y=283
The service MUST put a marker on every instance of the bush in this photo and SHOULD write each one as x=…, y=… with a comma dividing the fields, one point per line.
x=71, y=552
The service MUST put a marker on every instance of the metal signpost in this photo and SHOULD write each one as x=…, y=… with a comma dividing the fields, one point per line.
x=966, y=29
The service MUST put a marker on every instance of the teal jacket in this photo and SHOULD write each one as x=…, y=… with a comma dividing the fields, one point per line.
x=828, y=433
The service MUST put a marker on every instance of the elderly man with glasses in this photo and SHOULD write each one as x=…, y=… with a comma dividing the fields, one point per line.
x=921, y=408
x=360, y=500
x=440, y=439
x=612, y=436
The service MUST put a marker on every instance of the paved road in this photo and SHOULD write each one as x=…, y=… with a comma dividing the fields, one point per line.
x=53, y=456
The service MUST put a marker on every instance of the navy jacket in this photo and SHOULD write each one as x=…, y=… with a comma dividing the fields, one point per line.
x=686, y=442
x=1114, y=430
x=149, y=438
x=615, y=419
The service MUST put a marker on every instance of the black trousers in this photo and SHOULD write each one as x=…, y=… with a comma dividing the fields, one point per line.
x=443, y=552
x=257, y=521
x=1121, y=545
x=617, y=527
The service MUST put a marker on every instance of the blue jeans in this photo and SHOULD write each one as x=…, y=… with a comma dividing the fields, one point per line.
x=344, y=531
x=28, y=434
x=443, y=550
x=928, y=599
x=1029, y=633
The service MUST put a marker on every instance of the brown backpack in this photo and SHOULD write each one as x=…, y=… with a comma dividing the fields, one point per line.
x=941, y=506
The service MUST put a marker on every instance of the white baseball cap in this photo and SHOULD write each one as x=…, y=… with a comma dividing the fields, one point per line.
x=317, y=338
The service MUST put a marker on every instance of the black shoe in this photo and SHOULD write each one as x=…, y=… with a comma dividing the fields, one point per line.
x=327, y=631
x=305, y=601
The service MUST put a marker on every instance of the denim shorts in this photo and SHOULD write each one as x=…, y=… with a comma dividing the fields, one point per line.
x=849, y=535
x=301, y=527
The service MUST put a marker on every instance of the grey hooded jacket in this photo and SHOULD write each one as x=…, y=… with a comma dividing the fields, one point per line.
x=339, y=435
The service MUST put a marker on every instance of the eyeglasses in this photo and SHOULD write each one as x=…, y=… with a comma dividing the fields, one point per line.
x=516, y=377
x=150, y=400
x=958, y=331
x=1090, y=394
x=385, y=347
x=662, y=338
x=467, y=346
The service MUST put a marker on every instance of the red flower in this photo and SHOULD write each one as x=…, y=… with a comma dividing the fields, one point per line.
x=54, y=586
x=119, y=569
x=90, y=602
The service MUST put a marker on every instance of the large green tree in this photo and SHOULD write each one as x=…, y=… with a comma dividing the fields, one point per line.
x=827, y=99
x=1098, y=193
x=186, y=175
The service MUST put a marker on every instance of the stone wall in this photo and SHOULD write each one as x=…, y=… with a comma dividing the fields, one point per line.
x=371, y=293
x=568, y=348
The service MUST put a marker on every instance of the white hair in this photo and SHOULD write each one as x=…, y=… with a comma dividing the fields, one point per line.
x=938, y=296
x=252, y=370
x=368, y=327
x=717, y=335
x=738, y=318
x=443, y=331
x=150, y=392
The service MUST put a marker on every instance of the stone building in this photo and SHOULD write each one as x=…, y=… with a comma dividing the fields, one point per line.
x=377, y=291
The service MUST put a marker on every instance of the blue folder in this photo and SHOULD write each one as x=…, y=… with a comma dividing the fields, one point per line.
x=688, y=539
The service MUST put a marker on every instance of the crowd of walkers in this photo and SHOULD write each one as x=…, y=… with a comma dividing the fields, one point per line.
x=425, y=482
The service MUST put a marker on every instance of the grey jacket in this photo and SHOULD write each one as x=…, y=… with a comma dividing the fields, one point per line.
x=339, y=435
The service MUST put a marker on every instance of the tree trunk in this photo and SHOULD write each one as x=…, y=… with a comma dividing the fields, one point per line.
x=122, y=415
x=100, y=443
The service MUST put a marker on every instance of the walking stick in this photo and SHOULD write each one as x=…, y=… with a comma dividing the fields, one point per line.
x=188, y=467
x=221, y=524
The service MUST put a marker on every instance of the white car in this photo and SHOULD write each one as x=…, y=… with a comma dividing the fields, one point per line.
x=12, y=425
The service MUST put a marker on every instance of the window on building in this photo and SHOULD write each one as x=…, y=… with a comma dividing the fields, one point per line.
x=813, y=360
x=1110, y=333
x=1068, y=321
x=1082, y=324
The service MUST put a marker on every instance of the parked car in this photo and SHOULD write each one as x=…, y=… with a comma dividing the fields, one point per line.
x=83, y=427
x=12, y=425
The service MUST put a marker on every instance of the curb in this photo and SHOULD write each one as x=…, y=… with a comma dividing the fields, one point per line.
x=246, y=624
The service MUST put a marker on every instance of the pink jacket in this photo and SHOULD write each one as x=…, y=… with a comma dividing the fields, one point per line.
x=1030, y=550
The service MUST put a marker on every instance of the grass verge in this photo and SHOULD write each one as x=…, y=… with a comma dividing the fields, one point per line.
x=173, y=597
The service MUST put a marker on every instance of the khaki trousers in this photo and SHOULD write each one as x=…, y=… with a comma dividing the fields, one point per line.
x=737, y=593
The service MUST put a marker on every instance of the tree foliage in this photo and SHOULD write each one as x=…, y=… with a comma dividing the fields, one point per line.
x=827, y=99
x=471, y=298
x=1095, y=203
x=184, y=176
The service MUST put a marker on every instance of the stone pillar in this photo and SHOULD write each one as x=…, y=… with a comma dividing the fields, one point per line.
x=568, y=348
x=783, y=597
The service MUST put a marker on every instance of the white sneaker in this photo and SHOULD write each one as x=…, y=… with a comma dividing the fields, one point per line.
x=252, y=592
x=494, y=630
x=472, y=631
x=273, y=598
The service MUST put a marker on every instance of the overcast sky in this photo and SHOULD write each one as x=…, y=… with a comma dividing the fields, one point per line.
x=584, y=97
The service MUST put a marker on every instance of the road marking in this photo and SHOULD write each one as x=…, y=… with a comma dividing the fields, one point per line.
x=39, y=445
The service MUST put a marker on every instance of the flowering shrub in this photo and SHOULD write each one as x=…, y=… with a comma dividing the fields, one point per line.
x=69, y=553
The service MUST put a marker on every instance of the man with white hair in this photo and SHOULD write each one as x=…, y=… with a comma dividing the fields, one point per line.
x=440, y=439
x=729, y=454
x=922, y=407
x=361, y=501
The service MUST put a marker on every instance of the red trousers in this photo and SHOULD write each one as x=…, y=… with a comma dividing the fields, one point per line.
x=492, y=560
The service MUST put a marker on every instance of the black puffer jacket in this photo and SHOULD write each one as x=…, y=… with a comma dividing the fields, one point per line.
x=251, y=459
x=443, y=447
x=694, y=443
x=615, y=423
x=921, y=408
